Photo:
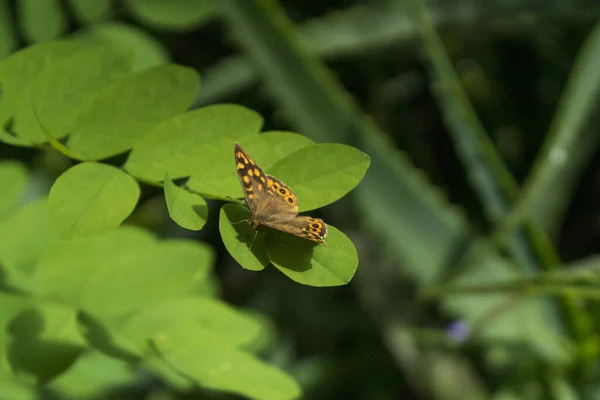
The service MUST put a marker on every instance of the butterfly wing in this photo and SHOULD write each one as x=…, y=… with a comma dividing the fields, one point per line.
x=272, y=202
x=305, y=227
x=252, y=178
x=279, y=210
x=266, y=195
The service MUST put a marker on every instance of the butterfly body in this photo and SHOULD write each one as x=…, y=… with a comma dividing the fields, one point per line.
x=272, y=203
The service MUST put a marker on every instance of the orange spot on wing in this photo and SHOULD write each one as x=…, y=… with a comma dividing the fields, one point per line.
x=260, y=187
x=256, y=172
x=269, y=182
x=246, y=179
x=240, y=166
x=262, y=179
x=250, y=172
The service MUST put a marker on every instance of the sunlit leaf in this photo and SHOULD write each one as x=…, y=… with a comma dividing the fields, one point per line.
x=90, y=199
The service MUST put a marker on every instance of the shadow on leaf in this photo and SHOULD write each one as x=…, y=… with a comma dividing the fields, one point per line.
x=101, y=338
x=42, y=357
x=289, y=251
x=237, y=215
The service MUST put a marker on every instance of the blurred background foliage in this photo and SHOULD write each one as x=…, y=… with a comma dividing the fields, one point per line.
x=481, y=121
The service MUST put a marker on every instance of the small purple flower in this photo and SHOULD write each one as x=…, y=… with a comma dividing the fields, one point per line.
x=459, y=331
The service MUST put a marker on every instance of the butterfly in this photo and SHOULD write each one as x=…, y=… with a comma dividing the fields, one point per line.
x=272, y=203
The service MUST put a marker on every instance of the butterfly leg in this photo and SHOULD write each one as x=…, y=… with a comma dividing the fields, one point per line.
x=255, y=234
x=239, y=222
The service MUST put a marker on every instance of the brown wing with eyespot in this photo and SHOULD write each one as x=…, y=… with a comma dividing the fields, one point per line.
x=252, y=178
x=305, y=227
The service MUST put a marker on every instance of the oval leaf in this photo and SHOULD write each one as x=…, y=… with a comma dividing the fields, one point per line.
x=268, y=148
x=310, y=263
x=15, y=389
x=144, y=48
x=41, y=20
x=198, y=141
x=60, y=91
x=213, y=365
x=24, y=237
x=86, y=11
x=238, y=236
x=92, y=375
x=175, y=323
x=322, y=173
x=173, y=15
x=23, y=66
x=13, y=176
x=189, y=210
x=127, y=109
x=116, y=273
x=46, y=340
x=90, y=199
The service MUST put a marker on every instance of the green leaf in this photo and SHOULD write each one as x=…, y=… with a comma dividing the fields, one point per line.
x=54, y=142
x=126, y=110
x=102, y=334
x=91, y=376
x=189, y=210
x=90, y=199
x=15, y=390
x=8, y=39
x=41, y=20
x=122, y=270
x=13, y=140
x=238, y=236
x=167, y=374
x=10, y=306
x=198, y=141
x=45, y=341
x=214, y=366
x=59, y=92
x=14, y=177
x=20, y=68
x=24, y=237
x=175, y=323
x=322, y=173
x=86, y=11
x=144, y=48
x=270, y=147
x=311, y=263
x=176, y=15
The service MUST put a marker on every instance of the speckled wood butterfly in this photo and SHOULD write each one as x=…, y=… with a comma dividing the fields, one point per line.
x=272, y=203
